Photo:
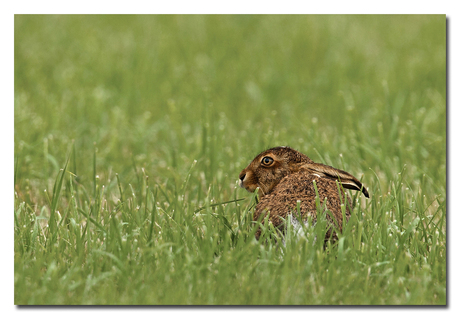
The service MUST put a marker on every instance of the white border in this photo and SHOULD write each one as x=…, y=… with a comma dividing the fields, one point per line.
x=228, y=7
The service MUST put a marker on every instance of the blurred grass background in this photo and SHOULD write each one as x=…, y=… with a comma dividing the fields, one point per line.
x=148, y=95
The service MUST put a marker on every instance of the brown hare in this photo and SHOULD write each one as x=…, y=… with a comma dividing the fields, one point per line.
x=285, y=176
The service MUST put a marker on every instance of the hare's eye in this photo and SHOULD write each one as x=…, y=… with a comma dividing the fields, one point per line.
x=267, y=160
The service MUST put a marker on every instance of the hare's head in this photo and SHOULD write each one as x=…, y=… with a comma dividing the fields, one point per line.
x=269, y=167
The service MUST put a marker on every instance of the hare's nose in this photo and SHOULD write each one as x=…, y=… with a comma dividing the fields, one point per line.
x=242, y=176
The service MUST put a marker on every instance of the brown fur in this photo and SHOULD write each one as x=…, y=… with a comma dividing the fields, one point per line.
x=288, y=179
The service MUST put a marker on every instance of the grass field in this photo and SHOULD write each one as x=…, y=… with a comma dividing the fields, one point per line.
x=130, y=133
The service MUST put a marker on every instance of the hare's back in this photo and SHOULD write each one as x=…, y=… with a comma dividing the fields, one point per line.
x=282, y=201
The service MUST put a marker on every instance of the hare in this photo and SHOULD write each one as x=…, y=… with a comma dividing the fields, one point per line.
x=285, y=176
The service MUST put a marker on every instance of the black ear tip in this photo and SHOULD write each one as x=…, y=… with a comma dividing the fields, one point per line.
x=365, y=192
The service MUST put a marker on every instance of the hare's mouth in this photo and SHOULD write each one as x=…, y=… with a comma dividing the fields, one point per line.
x=247, y=186
x=247, y=181
x=250, y=188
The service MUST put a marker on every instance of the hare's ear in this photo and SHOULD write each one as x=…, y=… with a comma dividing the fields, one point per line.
x=346, y=179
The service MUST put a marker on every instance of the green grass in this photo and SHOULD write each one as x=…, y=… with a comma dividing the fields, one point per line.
x=125, y=126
